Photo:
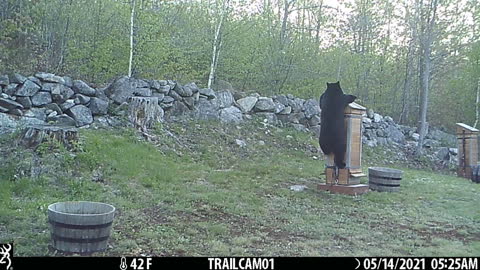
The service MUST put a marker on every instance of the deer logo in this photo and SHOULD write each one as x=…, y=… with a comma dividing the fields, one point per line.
x=5, y=250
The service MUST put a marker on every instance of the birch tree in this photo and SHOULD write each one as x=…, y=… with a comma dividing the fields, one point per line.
x=130, y=61
x=217, y=42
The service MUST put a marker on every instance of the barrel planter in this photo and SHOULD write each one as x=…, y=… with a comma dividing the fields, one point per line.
x=80, y=227
x=384, y=179
x=476, y=174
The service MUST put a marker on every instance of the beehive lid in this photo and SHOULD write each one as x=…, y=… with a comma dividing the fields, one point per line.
x=355, y=108
x=464, y=128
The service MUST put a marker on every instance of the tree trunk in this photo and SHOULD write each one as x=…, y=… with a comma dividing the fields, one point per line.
x=130, y=61
x=216, y=46
x=477, y=101
x=144, y=112
x=33, y=136
x=427, y=41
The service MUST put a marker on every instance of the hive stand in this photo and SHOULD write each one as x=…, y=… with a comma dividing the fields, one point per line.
x=348, y=179
x=467, y=138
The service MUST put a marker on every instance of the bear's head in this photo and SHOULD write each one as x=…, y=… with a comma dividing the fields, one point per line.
x=335, y=92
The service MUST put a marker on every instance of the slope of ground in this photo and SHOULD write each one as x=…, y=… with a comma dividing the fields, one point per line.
x=203, y=188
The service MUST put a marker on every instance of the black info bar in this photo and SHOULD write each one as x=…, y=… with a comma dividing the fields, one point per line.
x=245, y=263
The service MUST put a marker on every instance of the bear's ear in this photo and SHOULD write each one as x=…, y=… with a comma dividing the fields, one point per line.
x=328, y=84
x=349, y=98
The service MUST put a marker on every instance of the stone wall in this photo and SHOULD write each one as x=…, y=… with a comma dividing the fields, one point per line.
x=48, y=98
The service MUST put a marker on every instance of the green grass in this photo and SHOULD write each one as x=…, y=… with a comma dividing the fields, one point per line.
x=197, y=193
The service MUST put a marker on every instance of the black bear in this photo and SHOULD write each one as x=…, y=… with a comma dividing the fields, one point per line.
x=332, y=129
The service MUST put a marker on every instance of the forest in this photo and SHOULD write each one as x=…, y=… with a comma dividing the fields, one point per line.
x=415, y=60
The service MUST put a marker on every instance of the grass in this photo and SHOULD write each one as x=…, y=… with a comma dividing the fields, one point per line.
x=195, y=192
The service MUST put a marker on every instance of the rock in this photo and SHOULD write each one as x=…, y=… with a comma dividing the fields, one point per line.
x=124, y=87
x=246, y=104
x=4, y=80
x=315, y=130
x=377, y=118
x=298, y=188
x=68, y=81
x=60, y=93
x=416, y=137
x=206, y=109
x=81, y=114
x=175, y=96
x=191, y=87
x=231, y=114
x=299, y=127
x=61, y=120
x=389, y=120
x=190, y=102
x=11, y=89
x=154, y=84
x=279, y=107
x=17, y=78
x=164, y=89
x=286, y=110
x=67, y=105
x=282, y=99
x=35, y=80
x=315, y=121
x=54, y=107
x=370, y=113
x=240, y=143
x=16, y=112
x=9, y=124
x=168, y=99
x=49, y=77
x=443, y=154
x=183, y=91
x=179, y=109
x=207, y=92
x=268, y=117
x=311, y=108
x=225, y=99
x=264, y=104
x=41, y=98
x=10, y=104
x=395, y=134
x=38, y=113
x=366, y=120
x=453, y=151
x=80, y=87
x=81, y=99
x=28, y=89
x=296, y=104
x=25, y=101
x=429, y=143
x=98, y=106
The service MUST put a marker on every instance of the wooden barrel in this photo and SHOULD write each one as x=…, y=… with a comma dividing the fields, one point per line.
x=476, y=174
x=384, y=179
x=80, y=227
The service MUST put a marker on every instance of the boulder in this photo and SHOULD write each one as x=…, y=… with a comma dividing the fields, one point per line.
x=60, y=93
x=286, y=110
x=81, y=99
x=17, y=78
x=54, y=107
x=279, y=107
x=41, y=98
x=61, y=120
x=25, y=101
x=4, y=80
x=311, y=108
x=265, y=104
x=207, y=92
x=206, y=109
x=10, y=104
x=443, y=154
x=10, y=89
x=296, y=104
x=377, y=118
x=38, y=113
x=282, y=99
x=183, y=91
x=49, y=77
x=28, y=89
x=98, y=106
x=225, y=99
x=80, y=87
x=81, y=114
x=124, y=87
x=230, y=114
x=69, y=103
x=246, y=104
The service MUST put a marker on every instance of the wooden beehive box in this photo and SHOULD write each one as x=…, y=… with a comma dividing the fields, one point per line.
x=353, y=156
x=467, y=138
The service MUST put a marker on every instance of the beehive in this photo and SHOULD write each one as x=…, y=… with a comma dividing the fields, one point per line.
x=467, y=138
x=351, y=174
